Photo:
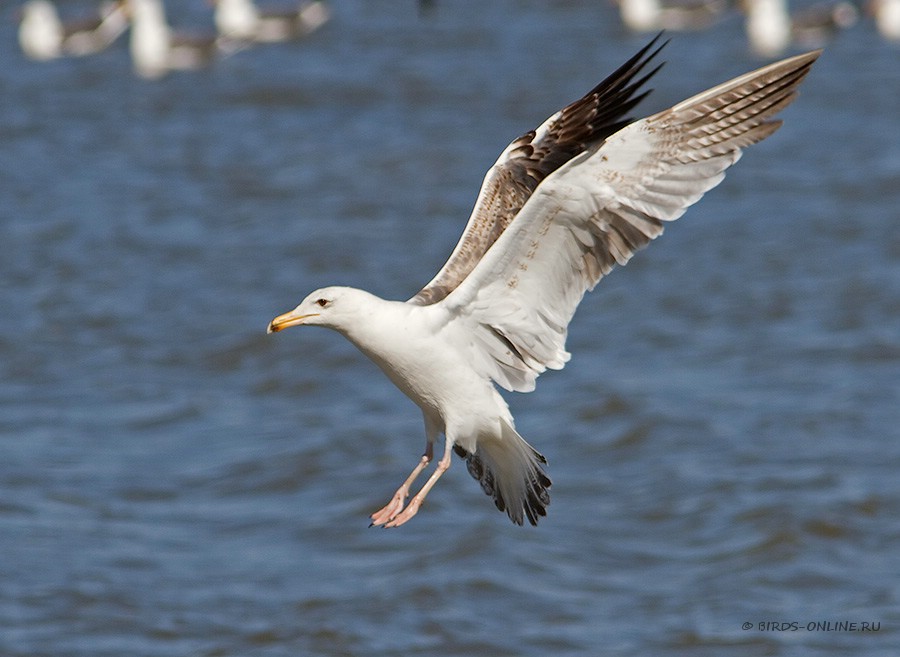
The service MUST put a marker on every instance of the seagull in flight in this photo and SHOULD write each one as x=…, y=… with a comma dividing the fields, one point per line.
x=561, y=206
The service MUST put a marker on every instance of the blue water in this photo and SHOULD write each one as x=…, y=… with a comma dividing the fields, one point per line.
x=723, y=445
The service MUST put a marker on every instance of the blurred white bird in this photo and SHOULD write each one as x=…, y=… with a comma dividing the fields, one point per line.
x=156, y=49
x=674, y=15
x=887, y=18
x=242, y=20
x=43, y=35
x=771, y=28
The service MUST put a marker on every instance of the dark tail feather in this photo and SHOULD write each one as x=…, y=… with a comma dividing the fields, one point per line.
x=510, y=471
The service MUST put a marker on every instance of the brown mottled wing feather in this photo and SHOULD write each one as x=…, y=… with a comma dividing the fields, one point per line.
x=535, y=155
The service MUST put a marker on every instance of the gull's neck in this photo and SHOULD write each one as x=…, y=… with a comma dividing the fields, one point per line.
x=396, y=336
x=373, y=323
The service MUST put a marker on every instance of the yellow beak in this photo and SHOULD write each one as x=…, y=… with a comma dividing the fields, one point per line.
x=287, y=320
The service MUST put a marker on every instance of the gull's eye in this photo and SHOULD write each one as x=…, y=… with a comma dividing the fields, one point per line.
x=322, y=302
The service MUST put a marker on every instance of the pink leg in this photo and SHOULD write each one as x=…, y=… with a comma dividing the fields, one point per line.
x=413, y=507
x=393, y=507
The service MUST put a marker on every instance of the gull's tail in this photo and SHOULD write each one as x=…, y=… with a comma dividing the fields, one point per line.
x=509, y=470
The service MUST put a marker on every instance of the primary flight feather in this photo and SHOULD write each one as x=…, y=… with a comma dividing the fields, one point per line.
x=563, y=205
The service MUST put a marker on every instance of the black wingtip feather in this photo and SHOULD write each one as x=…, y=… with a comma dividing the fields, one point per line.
x=611, y=99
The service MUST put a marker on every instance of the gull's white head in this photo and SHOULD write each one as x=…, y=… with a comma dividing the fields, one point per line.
x=333, y=307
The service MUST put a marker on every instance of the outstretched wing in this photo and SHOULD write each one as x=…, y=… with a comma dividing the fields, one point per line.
x=532, y=157
x=597, y=210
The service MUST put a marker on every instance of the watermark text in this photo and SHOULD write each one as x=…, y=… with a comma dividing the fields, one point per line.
x=813, y=626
